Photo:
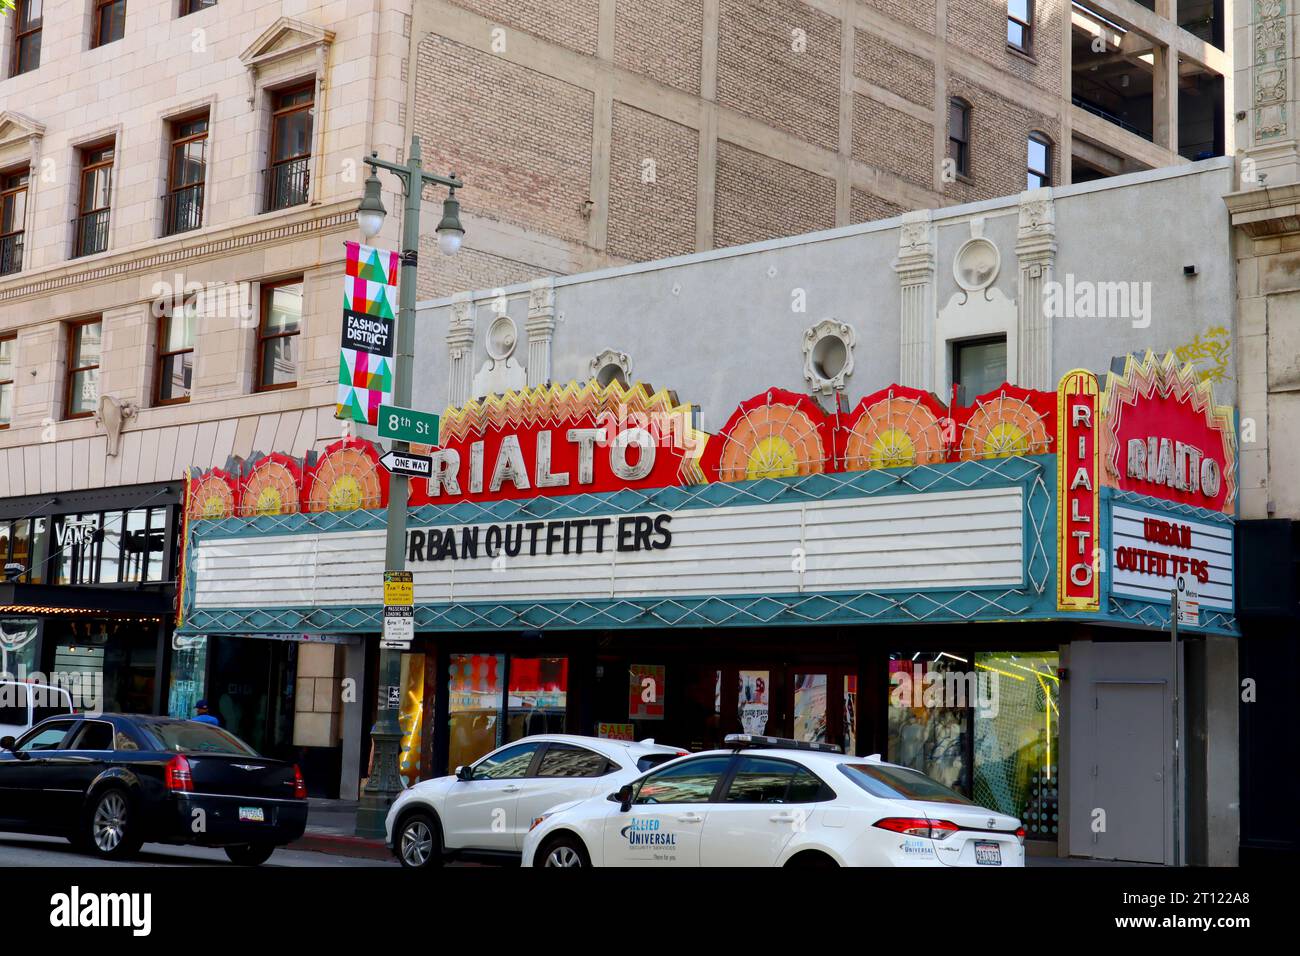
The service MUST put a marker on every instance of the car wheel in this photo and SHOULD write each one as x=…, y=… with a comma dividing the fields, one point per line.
x=419, y=843
x=111, y=828
x=566, y=851
x=250, y=854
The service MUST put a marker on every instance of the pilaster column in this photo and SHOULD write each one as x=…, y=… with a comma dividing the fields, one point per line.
x=915, y=267
x=460, y=349
x=1266, y=92
x=540, y=327
x=1036, y=253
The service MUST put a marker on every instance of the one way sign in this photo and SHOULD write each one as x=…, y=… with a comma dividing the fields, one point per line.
x=413, y=466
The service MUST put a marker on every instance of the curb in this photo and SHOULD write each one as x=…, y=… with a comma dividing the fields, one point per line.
x=341, y=845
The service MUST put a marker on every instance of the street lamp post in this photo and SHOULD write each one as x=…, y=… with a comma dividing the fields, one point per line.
x=385, y=782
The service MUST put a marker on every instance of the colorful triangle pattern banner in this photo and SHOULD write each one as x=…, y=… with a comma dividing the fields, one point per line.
x=369, y=288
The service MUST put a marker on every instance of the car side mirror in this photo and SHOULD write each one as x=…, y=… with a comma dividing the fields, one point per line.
x=623, y=797
x=7, y=742
x=465, y=773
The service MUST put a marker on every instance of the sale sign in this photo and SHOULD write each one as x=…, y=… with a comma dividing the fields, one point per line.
x=1077, y=476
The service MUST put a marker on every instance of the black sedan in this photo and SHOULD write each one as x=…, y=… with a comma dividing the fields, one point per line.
x=111, y=782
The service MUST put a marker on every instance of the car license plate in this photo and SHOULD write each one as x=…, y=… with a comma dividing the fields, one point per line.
x=988, y=853
x=252, y=815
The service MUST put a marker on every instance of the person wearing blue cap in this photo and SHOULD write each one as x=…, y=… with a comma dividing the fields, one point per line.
x=202, y=716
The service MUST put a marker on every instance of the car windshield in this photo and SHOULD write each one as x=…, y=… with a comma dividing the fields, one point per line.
x=186, y=736
x=899, y=783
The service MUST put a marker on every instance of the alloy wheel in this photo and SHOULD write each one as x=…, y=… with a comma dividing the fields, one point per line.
x=563, y=856
x=417, y=843
x=109, y=825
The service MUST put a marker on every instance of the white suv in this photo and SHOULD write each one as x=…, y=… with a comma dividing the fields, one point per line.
x=485, y=809
x=23, y=704
x=775, y=802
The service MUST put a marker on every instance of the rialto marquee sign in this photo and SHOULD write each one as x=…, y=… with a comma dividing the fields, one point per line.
x=1167, y=454
x=609, y=501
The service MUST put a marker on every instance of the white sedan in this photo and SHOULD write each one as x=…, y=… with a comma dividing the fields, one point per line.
x=484, y=809
x=772, y=802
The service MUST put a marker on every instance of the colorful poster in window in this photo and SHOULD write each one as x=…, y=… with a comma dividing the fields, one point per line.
x=752, y=702
x=538, y=698
x=810, y=708
x=929, y=728
x=851, y=713
x=474, y=703
x=645, y=692
x=410, y=717
x=369, y=327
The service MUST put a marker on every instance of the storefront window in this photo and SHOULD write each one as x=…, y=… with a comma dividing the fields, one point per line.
x=1017, y=745
x=188, y=675
x=539, y=689
x=410, y=717
x=18, y=647
x=929, y=727
x=810, y=708
x=753, y=703
x=474, y=704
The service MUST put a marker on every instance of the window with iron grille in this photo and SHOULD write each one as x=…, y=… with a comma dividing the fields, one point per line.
x=95, y=200
x=288, y=176
x=186, y=174
x=13, y=218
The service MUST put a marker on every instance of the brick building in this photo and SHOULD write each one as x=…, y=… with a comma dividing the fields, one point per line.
x=597, y=132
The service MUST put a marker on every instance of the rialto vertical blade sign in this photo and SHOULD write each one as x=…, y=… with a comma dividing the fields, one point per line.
x=1077, y=513
x=369, y=329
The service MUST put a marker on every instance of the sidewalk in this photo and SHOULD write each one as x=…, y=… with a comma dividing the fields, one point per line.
x=332, y=828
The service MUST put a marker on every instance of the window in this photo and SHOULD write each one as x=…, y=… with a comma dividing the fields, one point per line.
x=28, y=16
x=45, y=738
x=186, y=736
x=13, y=704
x=277, y=335
x=564, y=760
x=110, y=22
x=979, y=365
x=82, y=396
x=194, y=6
x=50, y=702
x=959, y=135
x=95, y=200
x=93, y=735
x=760, y=780
x=7, y=343
x=511, y=762
x=291, y=130
x=897, y=783
x=692, y=781
x=1040, y=161
x=174, y=371
x=13, y=219
x=187, y=170
x=1020, y=24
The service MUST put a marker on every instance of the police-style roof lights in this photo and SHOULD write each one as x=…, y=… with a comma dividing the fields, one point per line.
x=739, y=741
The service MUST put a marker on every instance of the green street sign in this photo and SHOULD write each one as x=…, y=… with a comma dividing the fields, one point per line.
x=406, y=424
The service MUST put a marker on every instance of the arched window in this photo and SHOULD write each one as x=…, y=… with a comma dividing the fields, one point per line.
x=1040, y=161
x=959, y=135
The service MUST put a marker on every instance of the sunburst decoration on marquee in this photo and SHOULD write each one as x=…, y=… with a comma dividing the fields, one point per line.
x=1006, y=421
x=212, y=495
x=347, y=476
x=1165, y=378
x=892, y=428
x=555, y=406
x=776, y=434
x=271, y=487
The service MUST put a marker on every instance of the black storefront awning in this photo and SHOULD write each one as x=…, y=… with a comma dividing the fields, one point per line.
x=35, y=599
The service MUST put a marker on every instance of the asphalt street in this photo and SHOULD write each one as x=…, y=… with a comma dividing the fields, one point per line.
x=23, y=850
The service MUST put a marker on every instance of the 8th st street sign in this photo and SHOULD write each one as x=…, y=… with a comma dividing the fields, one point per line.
x=406, y=424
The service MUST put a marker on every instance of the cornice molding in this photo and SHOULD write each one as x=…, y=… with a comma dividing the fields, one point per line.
x=329, y=219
